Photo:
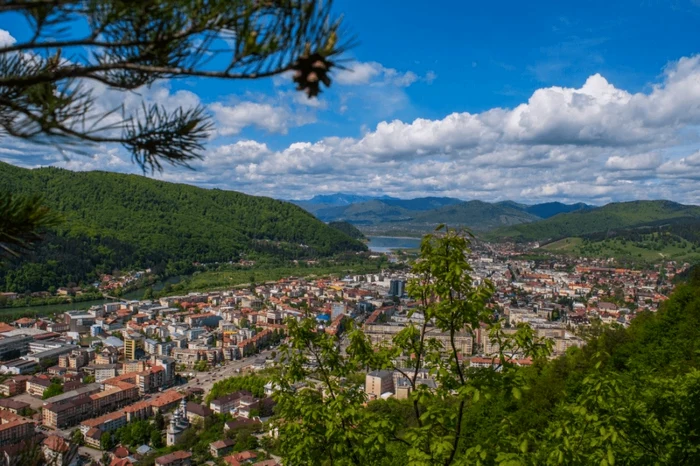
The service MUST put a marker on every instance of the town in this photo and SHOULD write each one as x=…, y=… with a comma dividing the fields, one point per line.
x=70, y=383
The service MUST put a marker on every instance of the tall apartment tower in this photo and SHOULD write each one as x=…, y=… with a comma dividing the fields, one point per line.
x=397, y=287
x=130, y=346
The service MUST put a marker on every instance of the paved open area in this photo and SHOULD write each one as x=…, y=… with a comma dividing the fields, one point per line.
x=34, y=403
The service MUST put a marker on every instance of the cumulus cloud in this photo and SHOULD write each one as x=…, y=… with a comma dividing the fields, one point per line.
x=357, y=73
x=231, y=119
x=6, y=38
x=685, y=167
x=634, y=162
x=595, y=143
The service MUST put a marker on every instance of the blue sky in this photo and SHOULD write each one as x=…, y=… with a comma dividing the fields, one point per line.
x=531, y=101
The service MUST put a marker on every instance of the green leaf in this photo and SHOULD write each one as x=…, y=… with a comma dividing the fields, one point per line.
x=523, y=446
x=517, y=394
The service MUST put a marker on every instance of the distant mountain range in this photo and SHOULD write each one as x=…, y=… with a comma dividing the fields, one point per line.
x=414, y=216
x=499, y=221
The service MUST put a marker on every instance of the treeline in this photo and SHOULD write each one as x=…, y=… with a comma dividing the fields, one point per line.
x=671, y=231
x=347, y=228
x=115, y=222
x=255, y=384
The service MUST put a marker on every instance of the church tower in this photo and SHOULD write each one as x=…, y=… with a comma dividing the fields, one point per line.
x=178, y=424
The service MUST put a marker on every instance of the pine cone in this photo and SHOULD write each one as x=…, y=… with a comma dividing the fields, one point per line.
x=310, y=71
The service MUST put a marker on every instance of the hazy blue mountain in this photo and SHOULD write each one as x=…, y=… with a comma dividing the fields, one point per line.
x=364, y=213
x=420, y=214
x=336, y=199
x=422, y=203
x=475, y=215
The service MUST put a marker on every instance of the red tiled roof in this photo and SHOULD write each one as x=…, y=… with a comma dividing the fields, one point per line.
x=56, y=443
x=120, y=462
x=121, y=452
x=6, y=328
x=167, y=398
x=176, y=455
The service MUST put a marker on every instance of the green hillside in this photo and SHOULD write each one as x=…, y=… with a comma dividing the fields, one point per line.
x=117, y=221
x=348, y=229
x=602, y=219
x=624, y=251
x=476, y=215
x=677, y=239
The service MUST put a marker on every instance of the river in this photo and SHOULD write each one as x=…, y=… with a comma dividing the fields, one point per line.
x=389, y=243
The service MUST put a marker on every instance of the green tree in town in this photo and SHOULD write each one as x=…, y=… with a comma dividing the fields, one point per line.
x=159, y=421
x=77, y=437
x=148, y=293
x=106, y=441
x=52, y=390
x=156, y=439
x=48, y=78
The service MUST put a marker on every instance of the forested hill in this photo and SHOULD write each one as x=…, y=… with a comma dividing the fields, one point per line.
x=119, y=221
x=347, y=228
x=610, y=217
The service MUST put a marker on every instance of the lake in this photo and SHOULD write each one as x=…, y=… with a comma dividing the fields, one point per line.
x=389, y=243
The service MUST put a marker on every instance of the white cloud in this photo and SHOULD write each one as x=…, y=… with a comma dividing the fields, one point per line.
x=685, y=167
x=593, y=143
x=232, y=119
x=358, y=73
x=6, y=38
x=362, y=73
x=634, y=162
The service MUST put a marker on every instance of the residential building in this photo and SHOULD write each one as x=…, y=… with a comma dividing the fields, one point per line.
x=79, y=321
x=36, y=386
x=14, y=385
x=226, y=403
x=176, y=458
x=67, y=412
x=109, y=355
x=13, y=406
x=58, y=452
x=105, y=371
x=397, y=287
x=242, y=458
x=197, y=412
x=131, y=345
x=221, y=447
x=75, y=360
x=14, y=428
x=166, y=401
x=379, y=382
